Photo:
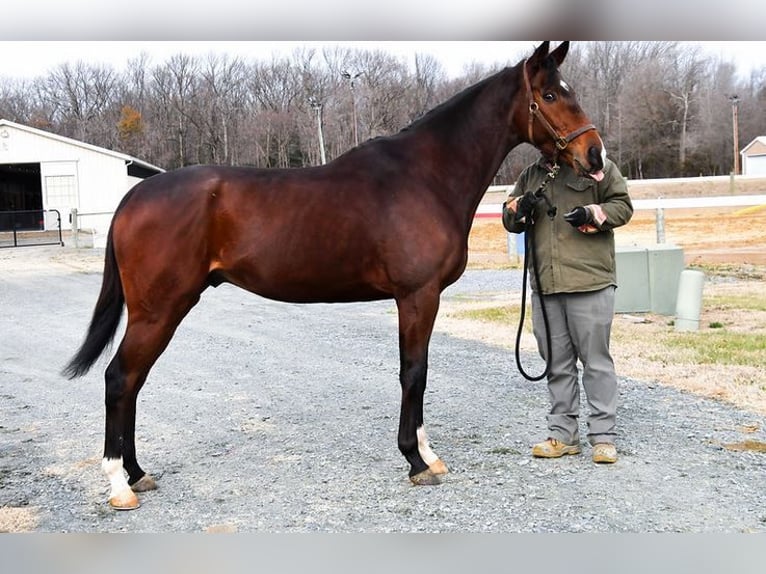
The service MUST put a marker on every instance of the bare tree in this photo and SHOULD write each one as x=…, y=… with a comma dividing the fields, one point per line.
x=599, y=71
x=16, y=104
x=429, y=76
x=276, y=86
x=713, y=139
x=174, y=89
x=222, y=97
x=83, y=99
x=684, y=75
x=382, y=93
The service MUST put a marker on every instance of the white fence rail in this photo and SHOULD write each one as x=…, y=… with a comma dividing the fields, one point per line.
x=495, y=209
x=90, y=229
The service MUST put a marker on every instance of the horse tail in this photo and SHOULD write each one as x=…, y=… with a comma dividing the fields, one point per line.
x=106, y=317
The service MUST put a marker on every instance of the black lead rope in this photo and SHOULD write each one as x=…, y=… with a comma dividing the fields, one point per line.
x=529, y=251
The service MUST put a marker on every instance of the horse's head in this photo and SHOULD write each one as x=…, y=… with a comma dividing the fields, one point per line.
x=551, y=117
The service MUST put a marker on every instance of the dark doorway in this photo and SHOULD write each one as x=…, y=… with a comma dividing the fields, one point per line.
x=21, y=192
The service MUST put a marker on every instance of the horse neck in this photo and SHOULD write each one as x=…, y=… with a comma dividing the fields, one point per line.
x=471, y=138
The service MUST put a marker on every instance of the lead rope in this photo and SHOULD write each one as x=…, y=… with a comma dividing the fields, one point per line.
x=529, y=251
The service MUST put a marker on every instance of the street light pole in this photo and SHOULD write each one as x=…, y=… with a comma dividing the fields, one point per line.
x=735, y=127
x=351, y=79
x=316, y=105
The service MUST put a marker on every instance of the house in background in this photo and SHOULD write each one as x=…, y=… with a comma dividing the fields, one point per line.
x=42, y=173
x=754, y=157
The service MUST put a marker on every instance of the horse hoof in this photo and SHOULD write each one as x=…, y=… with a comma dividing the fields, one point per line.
x=126, y=500
x=425, y=478
x=438, y=467
x=144, y=483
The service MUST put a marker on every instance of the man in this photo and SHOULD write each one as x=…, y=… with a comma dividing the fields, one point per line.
x=574, y=245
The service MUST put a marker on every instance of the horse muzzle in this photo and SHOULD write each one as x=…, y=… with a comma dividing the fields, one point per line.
x=591, y=164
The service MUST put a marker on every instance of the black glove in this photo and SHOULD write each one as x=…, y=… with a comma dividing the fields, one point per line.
x=525, y=207
x=578, y=217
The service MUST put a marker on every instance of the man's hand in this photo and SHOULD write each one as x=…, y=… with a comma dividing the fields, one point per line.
x=578, y=217
x=523, y=206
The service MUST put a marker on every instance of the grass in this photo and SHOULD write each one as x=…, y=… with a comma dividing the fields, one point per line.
x=732, y=270
x=721, y=347
x=714, y=346
x=504, y=314
x=742, y=302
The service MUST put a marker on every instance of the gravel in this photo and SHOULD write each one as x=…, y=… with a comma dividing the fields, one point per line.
x=266, y=416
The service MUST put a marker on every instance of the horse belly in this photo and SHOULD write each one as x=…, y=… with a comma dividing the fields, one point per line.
x=293, y=279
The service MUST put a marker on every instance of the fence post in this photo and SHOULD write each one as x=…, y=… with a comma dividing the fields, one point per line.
x=660, y=224
x=14, y=225
x=58, y=222
x=75, y=223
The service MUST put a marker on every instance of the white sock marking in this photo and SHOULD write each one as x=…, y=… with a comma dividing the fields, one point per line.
x=428, y=456
x=113, y=469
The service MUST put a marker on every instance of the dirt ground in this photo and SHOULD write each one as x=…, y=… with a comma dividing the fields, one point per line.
x=728, y=244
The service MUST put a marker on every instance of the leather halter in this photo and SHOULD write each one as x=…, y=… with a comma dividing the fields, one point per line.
x=535, y=112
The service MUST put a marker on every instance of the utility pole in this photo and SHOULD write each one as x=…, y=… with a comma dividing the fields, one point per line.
x=316, y=105
x=735, y=127
x=351, y=77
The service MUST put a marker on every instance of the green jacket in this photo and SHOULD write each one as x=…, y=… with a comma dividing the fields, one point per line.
x=570, y=259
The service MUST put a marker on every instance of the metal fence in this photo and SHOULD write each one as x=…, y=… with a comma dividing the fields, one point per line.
x=30, y=227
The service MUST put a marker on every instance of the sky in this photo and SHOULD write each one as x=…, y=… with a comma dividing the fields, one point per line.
x=39, y=57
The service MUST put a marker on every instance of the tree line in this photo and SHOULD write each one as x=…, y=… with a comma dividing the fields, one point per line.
x=664, y=109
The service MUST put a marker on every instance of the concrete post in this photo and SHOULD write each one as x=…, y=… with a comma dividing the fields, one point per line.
x=689, y=300
x=75, y=226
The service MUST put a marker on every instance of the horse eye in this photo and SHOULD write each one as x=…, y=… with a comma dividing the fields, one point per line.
x=549, y=97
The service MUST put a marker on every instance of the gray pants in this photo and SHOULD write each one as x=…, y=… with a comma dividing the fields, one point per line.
x=580, y=325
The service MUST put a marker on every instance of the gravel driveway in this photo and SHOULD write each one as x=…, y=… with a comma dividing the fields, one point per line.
x=265, y=416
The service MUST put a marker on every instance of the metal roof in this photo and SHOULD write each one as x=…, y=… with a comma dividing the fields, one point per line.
x=759, y=143
x=63, y=139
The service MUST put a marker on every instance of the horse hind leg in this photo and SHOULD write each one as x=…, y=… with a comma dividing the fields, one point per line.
x=138, y=480
x=143, y=343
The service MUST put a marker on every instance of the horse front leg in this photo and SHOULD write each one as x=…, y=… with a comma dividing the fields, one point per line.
x=417, y=313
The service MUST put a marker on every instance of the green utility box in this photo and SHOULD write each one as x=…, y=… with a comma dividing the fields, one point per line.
x=647, y=279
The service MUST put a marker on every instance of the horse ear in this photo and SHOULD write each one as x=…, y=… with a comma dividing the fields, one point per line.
x=560, y=53
x=540, y=52
x=535, y=61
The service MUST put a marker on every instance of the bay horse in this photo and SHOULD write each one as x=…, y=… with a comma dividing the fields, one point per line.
x=388, y=219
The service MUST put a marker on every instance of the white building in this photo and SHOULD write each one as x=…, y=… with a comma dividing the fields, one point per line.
x=42, y=173
x=754, y=157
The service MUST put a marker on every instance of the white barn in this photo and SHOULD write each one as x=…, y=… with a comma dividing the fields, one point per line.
x=41, y=172
x=754, y=157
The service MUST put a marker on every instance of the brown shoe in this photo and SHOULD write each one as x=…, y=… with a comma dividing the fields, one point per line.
x=552, y=448
x=604, y=452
